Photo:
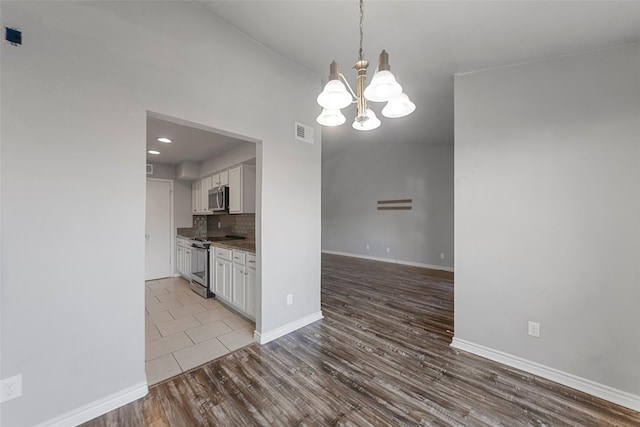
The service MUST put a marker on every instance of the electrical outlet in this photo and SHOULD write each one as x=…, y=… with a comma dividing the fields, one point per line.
x=534, y=329
x=219, y=225
x=290, y=299
x=367, y=247
x=388, y=250
x=10, y=388
x=441, y=255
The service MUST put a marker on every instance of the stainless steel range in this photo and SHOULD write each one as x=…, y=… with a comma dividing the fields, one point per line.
x=200, y=265
x=200, y=268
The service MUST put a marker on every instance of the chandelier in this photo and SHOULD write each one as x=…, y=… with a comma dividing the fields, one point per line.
x=383, y=88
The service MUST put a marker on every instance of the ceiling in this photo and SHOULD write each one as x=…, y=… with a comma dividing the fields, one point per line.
x=428, y=42
x=191, y=142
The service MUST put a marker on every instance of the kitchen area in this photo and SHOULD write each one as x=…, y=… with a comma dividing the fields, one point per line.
x=204, y=305
x=217, y=254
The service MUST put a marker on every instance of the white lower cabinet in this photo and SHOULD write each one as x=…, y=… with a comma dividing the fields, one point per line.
x=187, y=262
x=179, y=258
x=235, y=280
x=222, y=273
x=183, y=257
x=239, y=286
x=250, y=300
x=212, y=271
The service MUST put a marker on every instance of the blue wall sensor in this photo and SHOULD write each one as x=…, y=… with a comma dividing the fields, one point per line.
x=13, y=36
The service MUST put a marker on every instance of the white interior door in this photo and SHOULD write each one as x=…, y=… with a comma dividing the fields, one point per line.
x=158, y=226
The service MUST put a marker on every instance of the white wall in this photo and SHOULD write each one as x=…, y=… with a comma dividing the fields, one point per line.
x=182, y=204
x=239, y=154
x=182, y=208
x=79, y=88
x=162, y=171
x=355, y=177
x=547, y=172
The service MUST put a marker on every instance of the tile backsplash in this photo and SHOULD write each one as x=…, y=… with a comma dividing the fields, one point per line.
x=207, y=225
x=241, y=224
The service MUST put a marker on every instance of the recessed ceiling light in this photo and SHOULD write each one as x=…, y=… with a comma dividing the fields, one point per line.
x=153, y=152
x=165, y=140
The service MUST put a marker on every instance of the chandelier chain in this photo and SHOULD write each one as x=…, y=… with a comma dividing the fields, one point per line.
x=360, y=55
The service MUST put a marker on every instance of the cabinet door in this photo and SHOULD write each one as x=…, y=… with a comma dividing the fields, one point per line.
x=235, y=190
x=250, y=300
x=222, y=276
x=206, y=185
x=196, y=197
x=212, y=272
x=218, y=278
x=187, y=263
x=227, y=280
x=223, y=178
x=238, y=289
x=180, y=259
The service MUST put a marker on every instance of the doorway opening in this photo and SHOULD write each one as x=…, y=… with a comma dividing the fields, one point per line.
x=186, y=162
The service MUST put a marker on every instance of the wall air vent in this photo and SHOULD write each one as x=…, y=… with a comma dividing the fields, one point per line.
x=149, y=169
x=304, y=133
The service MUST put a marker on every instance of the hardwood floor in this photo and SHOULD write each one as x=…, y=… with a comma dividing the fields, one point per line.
x=381, y=356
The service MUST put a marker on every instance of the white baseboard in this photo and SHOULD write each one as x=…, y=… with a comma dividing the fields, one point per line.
x=99, y=407
x=288, y=328
x=610, y=394
x=393, y=261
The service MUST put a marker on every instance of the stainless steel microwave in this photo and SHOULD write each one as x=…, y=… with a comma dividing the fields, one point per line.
x=219, y=199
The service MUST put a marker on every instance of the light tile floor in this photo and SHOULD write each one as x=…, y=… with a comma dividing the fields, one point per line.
x=184, y=330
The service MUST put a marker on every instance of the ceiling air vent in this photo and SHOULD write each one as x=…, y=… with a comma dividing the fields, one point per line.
x=304, y=133
x=149, y=169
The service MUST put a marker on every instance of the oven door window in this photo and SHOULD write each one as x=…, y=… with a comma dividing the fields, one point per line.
x=199, y=261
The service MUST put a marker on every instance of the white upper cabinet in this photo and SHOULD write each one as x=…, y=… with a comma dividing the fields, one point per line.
x=235, y=183
x=207, y=184
x=242, y=189
x=200, y=196
x=224, y=178
x=220, y=179
x=196, y=197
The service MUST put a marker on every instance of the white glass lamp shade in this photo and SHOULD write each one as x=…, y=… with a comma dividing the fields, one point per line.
x=383, y=87
x=370, y=124
x=334, y=96
x=399, y=106
x=331, y=117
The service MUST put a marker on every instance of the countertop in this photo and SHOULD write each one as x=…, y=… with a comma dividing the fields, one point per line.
x=243, y=245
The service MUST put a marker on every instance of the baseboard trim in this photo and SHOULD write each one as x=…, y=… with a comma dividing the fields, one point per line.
x=392, y=261
x=286, y=329
x=593, y=388
x=99, y=407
